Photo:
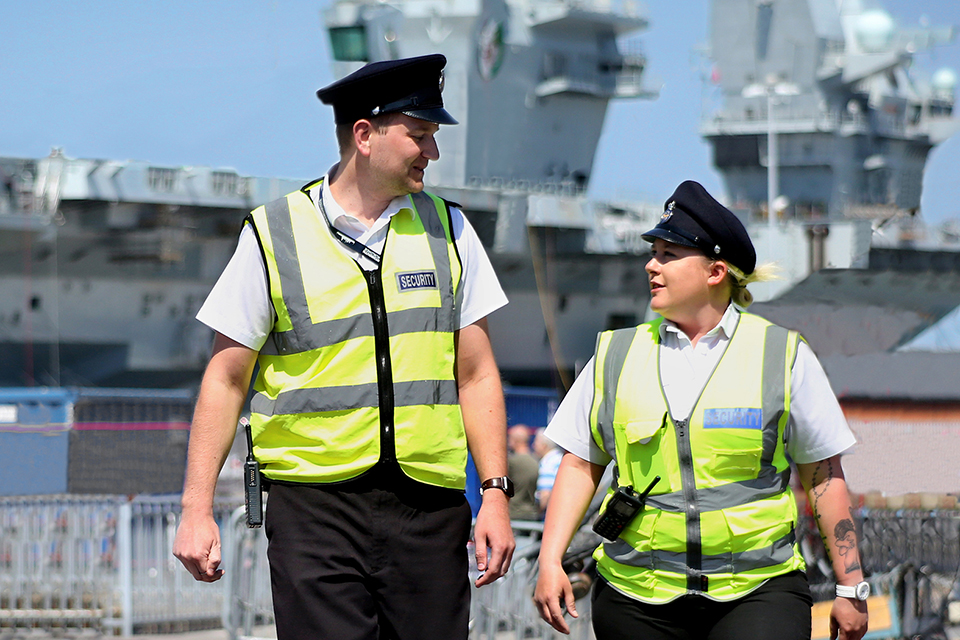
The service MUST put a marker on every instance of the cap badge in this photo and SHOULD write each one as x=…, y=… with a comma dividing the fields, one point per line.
x=666, y=215
x=441, y=81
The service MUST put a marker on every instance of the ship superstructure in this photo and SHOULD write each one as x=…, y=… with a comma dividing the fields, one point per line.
x=104, y=263
x=852, y=121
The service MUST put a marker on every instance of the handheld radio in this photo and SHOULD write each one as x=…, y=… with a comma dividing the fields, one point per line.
x=621, y=509
x=253, y=497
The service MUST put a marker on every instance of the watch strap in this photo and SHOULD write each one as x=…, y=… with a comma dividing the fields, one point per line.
x=860, y=591
x=503, y=483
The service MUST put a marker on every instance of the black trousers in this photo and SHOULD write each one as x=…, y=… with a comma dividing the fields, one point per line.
x=778, y=610
x=378, y=558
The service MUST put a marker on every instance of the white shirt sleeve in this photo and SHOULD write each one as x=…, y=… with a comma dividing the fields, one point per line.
x=238, y=305
x=818, y=429
x=570, y=426
x=482, y=293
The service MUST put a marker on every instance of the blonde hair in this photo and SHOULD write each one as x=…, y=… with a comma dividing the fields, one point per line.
x=738, y=281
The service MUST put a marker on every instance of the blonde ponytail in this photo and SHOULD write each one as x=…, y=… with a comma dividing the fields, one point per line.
x=739, y=294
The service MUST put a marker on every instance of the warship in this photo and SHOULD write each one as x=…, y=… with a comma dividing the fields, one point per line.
x=104, y=263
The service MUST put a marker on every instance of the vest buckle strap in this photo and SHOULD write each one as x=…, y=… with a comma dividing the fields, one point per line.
x=698, y=582
x=282, y=342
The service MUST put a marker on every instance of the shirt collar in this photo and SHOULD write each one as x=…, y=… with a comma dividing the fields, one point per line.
x=335, y=211
x=724, y=328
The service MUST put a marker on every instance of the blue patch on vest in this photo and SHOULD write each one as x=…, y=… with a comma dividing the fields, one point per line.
x=413, y=280
x=732, y=418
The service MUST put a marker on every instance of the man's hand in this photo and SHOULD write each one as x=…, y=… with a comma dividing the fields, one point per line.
x=493, y=530
x=848, y=619
x=553, y=593
x=197, y=546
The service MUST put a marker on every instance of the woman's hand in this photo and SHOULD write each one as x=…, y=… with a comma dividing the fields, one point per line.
x=554, y=593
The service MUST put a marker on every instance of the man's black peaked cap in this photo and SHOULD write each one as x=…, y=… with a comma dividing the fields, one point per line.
x=411, y=86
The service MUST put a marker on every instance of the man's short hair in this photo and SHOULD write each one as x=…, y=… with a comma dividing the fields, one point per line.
x=344, y=132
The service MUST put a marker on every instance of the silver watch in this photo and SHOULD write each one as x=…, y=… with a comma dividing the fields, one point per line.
x=859, y=591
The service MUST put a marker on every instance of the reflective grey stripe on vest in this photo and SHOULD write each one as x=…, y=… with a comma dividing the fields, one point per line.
x=769, y=482
x=406, y=394
x=779, y=552
x=331, y=332
x=305, y=335
x=288, y=266
x=613, y=361
x=437, y=238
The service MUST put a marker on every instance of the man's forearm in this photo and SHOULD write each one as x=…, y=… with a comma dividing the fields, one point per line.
x=484, y=420
x=211, y=436
x=222, y=394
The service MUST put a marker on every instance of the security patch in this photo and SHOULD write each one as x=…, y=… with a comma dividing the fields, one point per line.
x=414, y=280
x=733, y=419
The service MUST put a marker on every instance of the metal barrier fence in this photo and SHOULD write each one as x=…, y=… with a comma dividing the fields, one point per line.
x=103, y=563
x=248, y=602
x=505, y=609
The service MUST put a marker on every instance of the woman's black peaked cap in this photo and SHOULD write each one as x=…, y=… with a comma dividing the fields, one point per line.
x=693, y=218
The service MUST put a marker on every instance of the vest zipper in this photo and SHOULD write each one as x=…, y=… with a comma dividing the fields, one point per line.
x=381, y=341
x=696, y=581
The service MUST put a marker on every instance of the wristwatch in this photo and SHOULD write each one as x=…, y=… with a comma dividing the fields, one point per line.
x=859, y=591
x=503, y=483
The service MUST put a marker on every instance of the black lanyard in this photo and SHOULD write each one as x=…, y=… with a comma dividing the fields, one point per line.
x=350, y=243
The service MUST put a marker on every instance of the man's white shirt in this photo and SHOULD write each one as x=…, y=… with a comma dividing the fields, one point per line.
x=239, y=305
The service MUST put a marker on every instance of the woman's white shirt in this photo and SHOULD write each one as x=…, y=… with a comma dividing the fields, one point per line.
x=817, y=428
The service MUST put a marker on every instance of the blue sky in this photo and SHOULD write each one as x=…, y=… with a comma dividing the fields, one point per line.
x=231, y=84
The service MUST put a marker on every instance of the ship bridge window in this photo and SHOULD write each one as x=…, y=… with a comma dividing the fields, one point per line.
x=554, y=65
x=224, y=183
x=162, y=179
x=349, y=44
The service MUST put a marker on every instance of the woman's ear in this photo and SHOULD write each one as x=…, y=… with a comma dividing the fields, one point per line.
x=717, y=272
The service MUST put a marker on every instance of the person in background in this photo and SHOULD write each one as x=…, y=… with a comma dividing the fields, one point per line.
x=715, y=402
x=523, y=469
x=550, y=457
x=364, y=301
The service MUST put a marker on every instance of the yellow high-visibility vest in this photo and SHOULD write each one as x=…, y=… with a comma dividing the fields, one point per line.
x=359, y=367
x=722, y=519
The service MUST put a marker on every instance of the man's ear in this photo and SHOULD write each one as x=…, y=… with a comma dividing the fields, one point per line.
x=363, y=130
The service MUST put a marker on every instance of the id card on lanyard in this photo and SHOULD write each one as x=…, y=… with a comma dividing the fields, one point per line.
x=350, y=243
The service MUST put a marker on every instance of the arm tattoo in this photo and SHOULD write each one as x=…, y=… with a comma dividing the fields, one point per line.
x=844, y=532
x=821, y=475
x=846, y=535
